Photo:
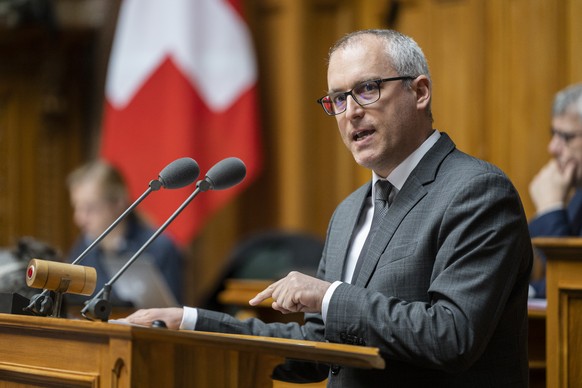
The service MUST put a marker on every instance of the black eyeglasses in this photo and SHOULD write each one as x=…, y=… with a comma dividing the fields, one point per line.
x=364, y=93
x=566, y=137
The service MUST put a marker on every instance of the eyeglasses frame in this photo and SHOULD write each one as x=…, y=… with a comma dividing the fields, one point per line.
x=350, y=92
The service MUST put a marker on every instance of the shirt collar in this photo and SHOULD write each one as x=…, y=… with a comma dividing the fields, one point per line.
x=401, y=173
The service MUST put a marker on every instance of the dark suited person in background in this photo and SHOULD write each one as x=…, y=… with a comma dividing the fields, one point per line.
x=438, y=279
x=99, y=196
x=556, y=190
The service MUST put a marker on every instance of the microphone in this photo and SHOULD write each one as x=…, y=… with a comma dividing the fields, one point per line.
x=223, y=175
x=179, y=173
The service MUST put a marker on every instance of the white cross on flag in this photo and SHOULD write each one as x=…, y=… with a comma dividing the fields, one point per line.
x=181, y=82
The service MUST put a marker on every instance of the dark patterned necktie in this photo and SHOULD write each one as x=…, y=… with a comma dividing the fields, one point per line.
x=382, y=190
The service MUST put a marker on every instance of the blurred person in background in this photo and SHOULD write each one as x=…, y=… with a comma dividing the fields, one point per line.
x=556, y=190
x=99, y=196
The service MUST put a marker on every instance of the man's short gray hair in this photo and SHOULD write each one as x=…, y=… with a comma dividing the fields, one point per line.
x=568, y=99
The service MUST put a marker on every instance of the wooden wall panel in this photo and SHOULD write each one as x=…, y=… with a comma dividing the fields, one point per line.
x=535, y=65
x=285, y=104
x=43, y=80
x=454, y=51
x=9, y=215
x=570, y=19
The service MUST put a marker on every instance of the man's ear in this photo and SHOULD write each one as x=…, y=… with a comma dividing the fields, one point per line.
x=421, y=86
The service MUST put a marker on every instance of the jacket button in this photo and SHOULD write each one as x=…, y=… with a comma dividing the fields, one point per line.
x=335, y=369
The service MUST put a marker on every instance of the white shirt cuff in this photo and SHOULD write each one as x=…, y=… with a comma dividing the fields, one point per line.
x=189, y=319
x=327, y=298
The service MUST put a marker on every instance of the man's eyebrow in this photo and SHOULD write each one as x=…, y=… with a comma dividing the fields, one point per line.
x=330, y=91
x=367, y=79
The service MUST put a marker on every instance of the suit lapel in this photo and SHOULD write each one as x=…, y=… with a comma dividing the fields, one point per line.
x=344, y=229
x=414, y=189
x=411, y=193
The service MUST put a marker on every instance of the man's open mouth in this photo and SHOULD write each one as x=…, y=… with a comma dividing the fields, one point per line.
x=362, y=134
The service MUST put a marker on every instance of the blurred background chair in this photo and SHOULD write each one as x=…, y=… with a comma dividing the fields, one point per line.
x=261, y=259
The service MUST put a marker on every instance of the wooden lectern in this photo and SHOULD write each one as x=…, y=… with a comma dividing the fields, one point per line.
x=40, y=351
x=564, y=310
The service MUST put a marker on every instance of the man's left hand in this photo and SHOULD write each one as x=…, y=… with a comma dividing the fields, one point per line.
x=296, y=292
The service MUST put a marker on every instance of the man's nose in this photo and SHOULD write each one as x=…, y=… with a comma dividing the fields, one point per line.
x=352, y=107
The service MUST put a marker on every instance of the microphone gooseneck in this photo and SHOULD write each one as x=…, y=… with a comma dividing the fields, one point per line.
x=224, y=174
x=179, y=173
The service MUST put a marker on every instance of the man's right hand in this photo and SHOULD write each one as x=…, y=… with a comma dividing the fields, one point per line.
x=172, y=316
x=551, y=186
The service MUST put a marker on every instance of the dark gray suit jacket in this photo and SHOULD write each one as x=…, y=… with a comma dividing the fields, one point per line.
x=443, y=291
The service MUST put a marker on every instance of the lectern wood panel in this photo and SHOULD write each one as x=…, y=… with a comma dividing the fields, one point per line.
x=564, y=311
x=76, y=353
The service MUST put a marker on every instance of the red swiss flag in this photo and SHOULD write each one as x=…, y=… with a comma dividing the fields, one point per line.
x=181, y=82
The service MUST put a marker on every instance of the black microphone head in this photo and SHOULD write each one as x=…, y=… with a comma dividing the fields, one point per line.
x=224, y=174
x=181, y=172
